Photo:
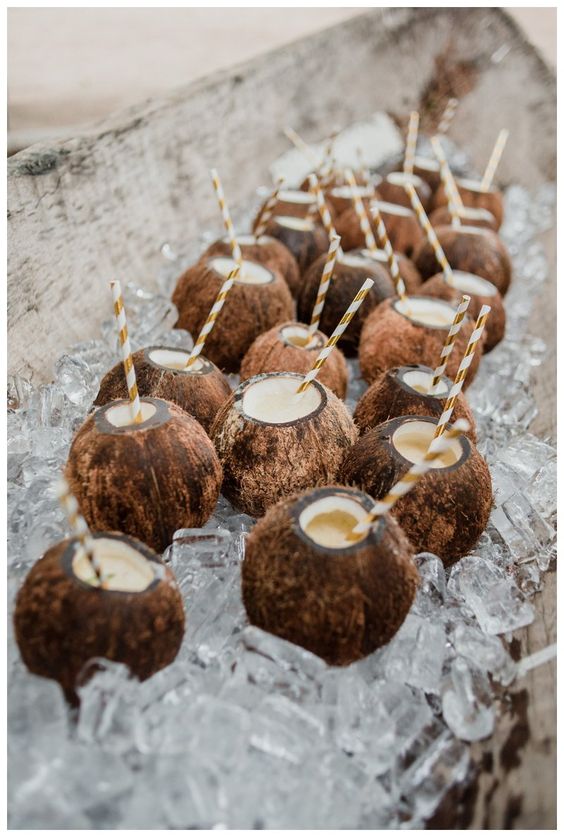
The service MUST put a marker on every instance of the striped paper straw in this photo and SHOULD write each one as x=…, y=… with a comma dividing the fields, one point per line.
x=227, y=222
x=429, y=232
x=360, y=210
x=331, y=343
x=410, y=479
x=494, y=160
x=327, y=163
x=322, y=207
x=302, y=146
x=119, y=311
x=268, y=209
x=79, y=527
x=462, y=370
x=448, y=116
x=389, y=251
x=212, y=316
x=449, y=342
x=324, y=284
x=362, y=167
x=411, y=142
x=452, y=193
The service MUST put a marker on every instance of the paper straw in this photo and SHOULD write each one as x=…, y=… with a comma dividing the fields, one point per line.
x=410, y=479
x=389, y=251
x=119, y=311
x=360, y=210
x=429, y=232
x=462, y=370
x=268, y=209
x=79, y=527
x=494, y=160
x=362, y=167
x=411, y=142
x=302, y=146
x=227, y=222
x=324, y=284
x=327, y=163
x=212, y=316
x=449, y=342
x=331, y=343
x=453, y=196
x=322, y=207
x=447, y=117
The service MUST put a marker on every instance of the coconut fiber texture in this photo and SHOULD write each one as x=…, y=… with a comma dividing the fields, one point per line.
x=339, y=604
x=448, y=509
x=404, y=231
x=146, y=480
x=492, y=201
x=267, y=251
x=200, y=393
x=61, y=622
x=249, y=310
x=305, y=245
x=262, y=463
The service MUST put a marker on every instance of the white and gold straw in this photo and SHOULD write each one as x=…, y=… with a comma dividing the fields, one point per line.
x=389, y=251
x=212, y=316
x=79, y=527
x=324, y=284
x=429, y=232
x=360, y=210
x=449, y=342
x=447, y=117
x=324, y=213
x=452, y=193
x=494, y=160
x=227, y=222
x=411, y=142
x=268, y=209
x=119, y=311
x=302, y=146
x=331, y=343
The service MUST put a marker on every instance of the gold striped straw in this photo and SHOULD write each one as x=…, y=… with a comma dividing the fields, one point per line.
x=331, y=343
x=327, y=163
x=429, y=232
x=449, y=342
x=409, y=480
x=227, y=222
x=360, y=210
x=389, y=251
x=119, y=311
x=212, y=316
x=411, y=142
x=322, y=207
x=447, y=117
x=494, y=160
x=462, y=370
x=268, y=209
x=79, y=527
x=324, y=284
x=302, y=146
x=452, y=193
x=362, y=167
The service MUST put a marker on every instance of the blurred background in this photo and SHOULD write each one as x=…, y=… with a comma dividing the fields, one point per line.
x=68, y=67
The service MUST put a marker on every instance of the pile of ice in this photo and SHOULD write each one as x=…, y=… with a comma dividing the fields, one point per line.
x=245, y=730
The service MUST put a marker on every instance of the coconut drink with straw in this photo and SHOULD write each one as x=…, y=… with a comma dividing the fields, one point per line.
x=392, y=187
x=428, y=167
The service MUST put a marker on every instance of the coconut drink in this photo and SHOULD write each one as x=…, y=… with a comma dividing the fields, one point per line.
x=407, y=270
x=467, y=215
x=340, y=197
x=293, y=202
x=264, y=249
x=392, y=188
x=303, y=237
x=474, y=197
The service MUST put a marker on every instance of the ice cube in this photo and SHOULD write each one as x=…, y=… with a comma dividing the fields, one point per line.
x=416, y=653
x=467, y=702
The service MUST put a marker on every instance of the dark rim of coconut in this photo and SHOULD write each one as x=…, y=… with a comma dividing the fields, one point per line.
x=319, y=339
x=70, y=551
x=240, y=392
x=160, y=416
x=399, y=372
x=441, y=303
x=206, y=365
x=388, y=429
x=237, y=281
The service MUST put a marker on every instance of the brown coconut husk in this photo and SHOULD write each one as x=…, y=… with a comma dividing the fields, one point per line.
x=395, y=192
x=265, y=250
x=345, y=284
x=340, y=204
x=146, y=480
x=390, y=397
x=339, y=604
x=249, y=310
x=441, y=217
x=448, y=509
x=61, y=622
x=390, y=339
x=262, y=463
x=407, y=270
x=472, y=249
x=274, y=352
x=200, y=392
x=305, y=245
x=495, y=325
x=492, y=200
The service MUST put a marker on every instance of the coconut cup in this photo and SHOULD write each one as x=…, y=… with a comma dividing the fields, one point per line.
x=287, y=348
x=448, y=509
x=469, y=216
x=304, y=237
x=428, y=169
x=161, y=373
x=481, y=293
x=408, y=271
x=471, y=195
x=396, y=334
x=63, y=618
x=258, y=300
x=273, y=441
x=402, y=227
x=341, y=197
x=349, y=275
x=392, y=189
x=305, y=582
x=146, y=480
x=298, y=203
x=265, y=250
x=470, y=249
x=405, y=391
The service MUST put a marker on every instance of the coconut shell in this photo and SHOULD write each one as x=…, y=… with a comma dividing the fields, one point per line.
x=408, y=272
x=491, y=200
x=146, y=480
x=200, y=393
x=305, y=245
x=266, y=251
x=481, y=253
x=341, y=204
x=271, y=352
x=296, y=210
x=61, y=622
x=395, y=192
x=447, y=510
x=390, y=397
x=262, y=463
x=495, y=326
x=404, y=231
x=339, y=604
x=347, y=280
x=389, y=339
x=441, y=217
x=249, y=310
x=431, y=175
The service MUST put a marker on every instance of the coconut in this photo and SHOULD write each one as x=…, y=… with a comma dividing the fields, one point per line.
x=428, y=169
x=148, y=479
x=258, y=300
x=341, y=197
x=287, y=348
x=407, y=270
x=161, y=373
x=469, y=216
x=396, y=334
x=273, y=441
x=392, y=189
x=471, y=195
x=265, y=250
x=293, y=202
x=63, y=619
x=304, y=238
x=481, y=293
x=402, y=227
x=304, y=581
x=348, y=277
x=404, y=391
x=448, y=509
x=470, y=249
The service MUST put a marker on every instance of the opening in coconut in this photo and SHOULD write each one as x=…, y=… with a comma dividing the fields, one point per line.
x=347, y=193
x=350, y=260
x=420, y=381
x=298, y=335
x=174, y=359
x=251, y=273
x=296, y=196
x=292, y=223
x=433, y=313
x=426, y=164
x=124, y=568
x=472, y=284
x=394, y=208
x=120, y=414
x=473, y=186
x=475, y=213
x=375, y=255
x=400, y=178
x=329, y=521
x=412, y=440
x=273, y=399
